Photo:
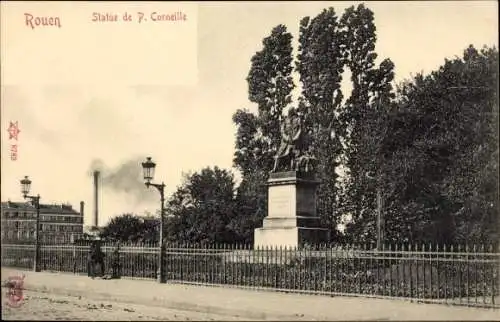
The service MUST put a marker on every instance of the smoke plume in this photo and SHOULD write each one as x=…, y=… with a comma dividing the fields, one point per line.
x=126, y=179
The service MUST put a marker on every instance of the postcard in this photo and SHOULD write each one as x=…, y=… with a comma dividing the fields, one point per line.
x=197, y=160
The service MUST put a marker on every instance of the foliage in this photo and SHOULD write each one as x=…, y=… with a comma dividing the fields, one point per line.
x=453, y=117
x=320, y=63
x=440, y=155
x=365, y=112
x=250, y=207
x=202, y=209
x=269, y=86
x=258, y=135
x=130, y=227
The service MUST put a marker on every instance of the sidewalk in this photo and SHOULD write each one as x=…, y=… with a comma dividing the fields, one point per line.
x=259, y=305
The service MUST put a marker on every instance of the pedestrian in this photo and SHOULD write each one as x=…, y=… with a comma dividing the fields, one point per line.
x=91, y=261
x=99, y=257
x=115, y=264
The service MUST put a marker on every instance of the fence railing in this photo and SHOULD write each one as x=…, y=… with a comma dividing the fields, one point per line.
x=466, y=275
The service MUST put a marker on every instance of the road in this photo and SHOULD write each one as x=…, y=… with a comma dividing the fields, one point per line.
x=50, y=307
x=72, y=297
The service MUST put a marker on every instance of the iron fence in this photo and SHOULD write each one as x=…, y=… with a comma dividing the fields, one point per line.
x=463, y=275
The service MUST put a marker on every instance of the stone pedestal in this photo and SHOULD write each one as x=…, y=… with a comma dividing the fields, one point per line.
x=291, y=220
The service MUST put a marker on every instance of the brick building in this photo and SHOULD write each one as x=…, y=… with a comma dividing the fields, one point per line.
x=58, y=223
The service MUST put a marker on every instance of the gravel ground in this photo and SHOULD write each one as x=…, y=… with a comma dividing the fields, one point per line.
x=45, y=306
x=71, y=297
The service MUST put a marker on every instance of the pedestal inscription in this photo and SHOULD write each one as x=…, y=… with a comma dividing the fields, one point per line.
x=281, y=201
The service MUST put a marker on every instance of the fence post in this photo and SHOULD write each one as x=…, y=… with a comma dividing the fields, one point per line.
x=475, y=273
x=445, y=256
x=404, y=265
x=493, y=274
x=459, y=285
x=266, y=265
x=237, y=263
x=467, y=268
x=255, y=266
x=224, y=269
x=410, y=275
x=74, y=258
x=357, y=267
x=391, y=262
x=424, y=262
x=384, y=270
x=453, y=277
x=483, y=269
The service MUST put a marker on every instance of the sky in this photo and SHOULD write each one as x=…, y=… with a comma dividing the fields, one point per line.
x=107, y=94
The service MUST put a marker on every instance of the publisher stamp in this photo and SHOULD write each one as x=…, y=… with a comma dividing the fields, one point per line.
x=13, y=137
x=15, y=287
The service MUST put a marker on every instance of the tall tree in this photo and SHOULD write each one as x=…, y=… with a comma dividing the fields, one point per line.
x=269, y=86
x=258, y=136
x=321, y=64
x=270, y=83
x=366, y=114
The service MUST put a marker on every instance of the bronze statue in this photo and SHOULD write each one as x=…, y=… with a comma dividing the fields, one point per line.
x=290, y=147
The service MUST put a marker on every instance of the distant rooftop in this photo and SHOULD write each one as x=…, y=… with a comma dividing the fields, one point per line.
x=15, y=204
x=44, y=208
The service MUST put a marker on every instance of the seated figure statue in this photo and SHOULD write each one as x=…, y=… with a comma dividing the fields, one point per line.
x=290, y=136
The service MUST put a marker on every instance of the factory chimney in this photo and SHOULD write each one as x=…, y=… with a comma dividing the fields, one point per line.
x=82, y=205
x=96, y=199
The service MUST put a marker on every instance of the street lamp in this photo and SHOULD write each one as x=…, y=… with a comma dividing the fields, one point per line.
x=25, y=189
x=149, y=171
x=377, y=178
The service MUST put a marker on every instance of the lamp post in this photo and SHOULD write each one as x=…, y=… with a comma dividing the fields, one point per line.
x=149, y=170
x=378, y=179
x=25, y=189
